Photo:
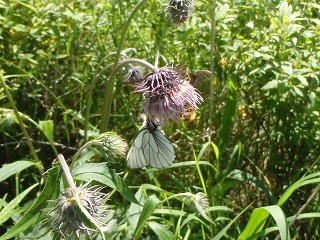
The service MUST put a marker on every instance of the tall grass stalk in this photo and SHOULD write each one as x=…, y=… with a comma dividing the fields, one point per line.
x=212, y=59
x=21, y=124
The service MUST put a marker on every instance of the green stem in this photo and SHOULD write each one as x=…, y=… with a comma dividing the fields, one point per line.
x=89, y=100
x=212, y=56
x=199, y=173
x=23, y=128
x=86, y=145
x=108, y=93
x=186, y=194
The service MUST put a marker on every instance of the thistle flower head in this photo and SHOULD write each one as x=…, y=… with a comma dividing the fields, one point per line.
x=166, y=93
x=68, y=216
x=179, y=10
x=200, y=203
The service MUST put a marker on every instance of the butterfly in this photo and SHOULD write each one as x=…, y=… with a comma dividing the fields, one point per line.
x=150, y=148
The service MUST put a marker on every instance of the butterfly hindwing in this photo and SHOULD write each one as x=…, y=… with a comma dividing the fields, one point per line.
x=135, y=157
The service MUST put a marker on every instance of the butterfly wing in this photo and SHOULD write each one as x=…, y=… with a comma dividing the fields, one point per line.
x=160, y=152
x=135, y=157
x=150, y=147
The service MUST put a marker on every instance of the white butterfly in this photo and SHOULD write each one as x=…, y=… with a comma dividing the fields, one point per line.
x=150, y=148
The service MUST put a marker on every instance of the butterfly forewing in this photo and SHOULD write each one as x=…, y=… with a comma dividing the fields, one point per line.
x=163, y=152
x=150, y=147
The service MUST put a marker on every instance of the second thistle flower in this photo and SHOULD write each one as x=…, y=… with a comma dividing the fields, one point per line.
x=179, y=10
x=167, y=93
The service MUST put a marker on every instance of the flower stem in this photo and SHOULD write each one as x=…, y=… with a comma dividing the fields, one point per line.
x=90, y=92
x=66, y=172
x=86, y=145
x=108, y=92
x=23, y=128
x=212, y=58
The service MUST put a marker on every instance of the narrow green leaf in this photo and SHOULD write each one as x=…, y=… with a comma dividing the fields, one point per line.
x=149, y=206
x=27, y=6
x=301, y=182
x=47, y=129
x=122, y=187
x=225, y=229
x=255, y=224
x=228, y=117
x=9, y=209
x=50, y=191
x=190, y=218
x=204, y=147
x=162, y=231
x=10, y=169
x=280, y=219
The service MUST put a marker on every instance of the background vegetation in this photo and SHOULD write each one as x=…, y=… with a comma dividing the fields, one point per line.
x=255, y=145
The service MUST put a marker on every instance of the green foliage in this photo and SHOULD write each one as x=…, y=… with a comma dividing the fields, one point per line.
x=256, y=156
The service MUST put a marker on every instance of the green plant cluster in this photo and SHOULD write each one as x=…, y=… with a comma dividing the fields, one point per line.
x=252, y=152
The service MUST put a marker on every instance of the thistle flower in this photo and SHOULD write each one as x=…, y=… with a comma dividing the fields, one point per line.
x=79, y=209
x=166, y=93
x=67, y=216
x=198, y=201
x=179, y=10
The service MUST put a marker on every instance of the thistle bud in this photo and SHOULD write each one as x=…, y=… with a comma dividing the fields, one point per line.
x=113, y=144
x=134, y=74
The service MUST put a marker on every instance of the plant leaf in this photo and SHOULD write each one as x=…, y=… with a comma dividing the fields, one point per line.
x=47, y=129
x=225, y=229
x=149, y=206
x=228, y=117
x=50, y=191
x=8, y=210
x=162, y=231
x=10, y=169
x=101, y=173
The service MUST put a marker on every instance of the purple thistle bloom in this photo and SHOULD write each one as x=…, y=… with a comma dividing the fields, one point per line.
x=167, y=94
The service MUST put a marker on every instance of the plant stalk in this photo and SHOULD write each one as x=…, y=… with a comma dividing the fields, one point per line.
x=108, y=92
x=23, y=128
